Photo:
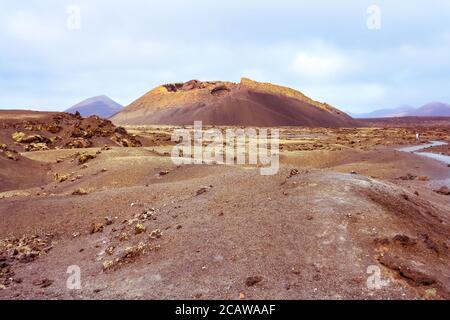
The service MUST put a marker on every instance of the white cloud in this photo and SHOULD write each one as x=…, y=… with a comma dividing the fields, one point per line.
x=348, y=96
x=322, y=62
x=313, y=66
x=29, y=27
x=125, y=49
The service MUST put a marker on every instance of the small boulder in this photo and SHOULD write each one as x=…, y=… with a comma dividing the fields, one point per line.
x=156, y=234
x=96, y=227
x=139, y=228
x=404, y=240
x=82, y=159
x=443, y=190
x=251, y=281
x=80, y=192
x=108, y=264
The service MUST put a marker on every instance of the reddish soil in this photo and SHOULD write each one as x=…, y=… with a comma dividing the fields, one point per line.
x=139, y=227
x=407, y=122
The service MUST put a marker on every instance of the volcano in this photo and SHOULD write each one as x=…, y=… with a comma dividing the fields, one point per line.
x=101, y=106
x=248, y=103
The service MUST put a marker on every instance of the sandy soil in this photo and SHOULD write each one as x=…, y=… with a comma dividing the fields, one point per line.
x=139, y=227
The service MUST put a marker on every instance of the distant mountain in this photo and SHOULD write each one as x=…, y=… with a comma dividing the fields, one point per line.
x=101, y=106
x=433, y=109
x=386, y=113
x=248, y=103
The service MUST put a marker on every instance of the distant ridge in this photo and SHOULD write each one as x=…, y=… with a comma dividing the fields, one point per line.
x=433, y=109
x=248, y=103
x=101, y=106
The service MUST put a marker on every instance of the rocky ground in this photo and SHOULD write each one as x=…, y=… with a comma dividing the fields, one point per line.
x=343, y=206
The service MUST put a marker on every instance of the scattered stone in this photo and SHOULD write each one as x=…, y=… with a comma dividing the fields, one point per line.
x=353, y=172
x=108, y=264
x=11, y=155
x=201, y=191
x=110, y=250
x=163, y=173
x=18, y=136
x=407, y=177
x=132, y=253
x=61, y=177
x=295, y=271
x=139, y=228
x=147, y=215
x=80, y=192
x=82, y=159
x=79, y=143
x=404, y=240
x=36, y=146
x=109, y=221
x=124, y=236
x=423, y=178
x=251, y=281
x=293, y=172
x=443, y=190
x=156, y=234
x=21, y=137
x=96, y=227
x=430, y=294
x=43, y=283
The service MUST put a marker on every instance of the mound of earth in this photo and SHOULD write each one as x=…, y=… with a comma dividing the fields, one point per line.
x=34, y=131
x=248, y=103
x=101, y=106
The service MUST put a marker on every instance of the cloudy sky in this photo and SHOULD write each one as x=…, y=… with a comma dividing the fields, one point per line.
x=330, y=50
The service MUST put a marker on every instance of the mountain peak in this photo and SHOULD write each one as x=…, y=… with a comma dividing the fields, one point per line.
x=102, y=106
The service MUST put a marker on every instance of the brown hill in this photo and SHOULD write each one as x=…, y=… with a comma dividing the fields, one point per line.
x=248, y=103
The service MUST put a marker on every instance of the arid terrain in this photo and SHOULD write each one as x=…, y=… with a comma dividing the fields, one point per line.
x=83, y=192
